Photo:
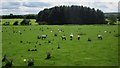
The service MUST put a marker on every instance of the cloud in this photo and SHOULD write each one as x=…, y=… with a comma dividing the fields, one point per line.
x=36, y=4
x=106, y=6
x=61, y=1
x=10, y=5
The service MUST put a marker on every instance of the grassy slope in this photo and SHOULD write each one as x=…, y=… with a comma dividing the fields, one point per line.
x=0, y=44
x=72, y=53
x=19, y=20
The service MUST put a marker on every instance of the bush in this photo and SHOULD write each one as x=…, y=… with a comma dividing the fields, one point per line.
x=25, y=22
x=15, y=23
x=6, y=23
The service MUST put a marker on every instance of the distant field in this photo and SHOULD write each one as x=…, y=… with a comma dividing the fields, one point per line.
x=71, y=53
x=19, y=20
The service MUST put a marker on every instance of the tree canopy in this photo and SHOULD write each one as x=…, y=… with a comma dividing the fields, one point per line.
x=60, y=15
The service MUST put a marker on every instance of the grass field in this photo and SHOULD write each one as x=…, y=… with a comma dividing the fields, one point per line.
x=71, y=53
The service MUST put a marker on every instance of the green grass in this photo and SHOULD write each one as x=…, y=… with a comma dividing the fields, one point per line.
x=72, y=53
x=0, y=45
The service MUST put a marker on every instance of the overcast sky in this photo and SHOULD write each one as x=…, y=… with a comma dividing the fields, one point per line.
x=34, y=6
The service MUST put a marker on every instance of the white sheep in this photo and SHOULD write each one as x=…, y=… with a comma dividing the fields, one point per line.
x=99, y=37
x=78, y=37
x=44, y=36
x=63, y=37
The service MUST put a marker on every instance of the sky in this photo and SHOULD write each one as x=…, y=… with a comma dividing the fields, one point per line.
x=18, y=7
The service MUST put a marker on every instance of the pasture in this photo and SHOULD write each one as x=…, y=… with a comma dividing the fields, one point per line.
x=16, y=40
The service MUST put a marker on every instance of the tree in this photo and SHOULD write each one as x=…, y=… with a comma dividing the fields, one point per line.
x=60, y=15
x=112, y=19
x=15, y=23
x=25, y=22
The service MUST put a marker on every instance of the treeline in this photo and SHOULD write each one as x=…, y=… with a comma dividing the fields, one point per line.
x=60, y=15
x=11, y=16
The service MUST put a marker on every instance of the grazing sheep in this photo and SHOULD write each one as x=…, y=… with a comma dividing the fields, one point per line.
x=19, y=31
x=47, y=28
x=78, y=37
x=99, y=37
x=58, y=46
x=110, y=32
x=39, y=44
x=21, y=41
x=89, y=40
x=13, y=31
x=105, y=31
x=35, y=50
x=49, y=41
x=60, y=31
x=71, y=36
x=38, y=37
x=32, y=50
x=28, y=49
x=63, y=37
x=117, y=35
x=55, y=34
x=25, y=60
x=29, y=42
x=51, y=31
x=44, y=36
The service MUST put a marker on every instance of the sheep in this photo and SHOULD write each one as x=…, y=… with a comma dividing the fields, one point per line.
x=60, y=31
x=21, y=41
x=35, y=49
x=105, y=31
x=89, y=40
x=49, y=41
x=63, y=37
x=44, y=36
x=39, y=44
x=25, y=60
x=19, y=31
x=78, y=37
x=32, y=50
x=58, y=46
x=55, y=34
x=51, y=31
x=13, y=31
x=71, y=36
x=28, y=49
x=99, y=37
x=38, y=37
